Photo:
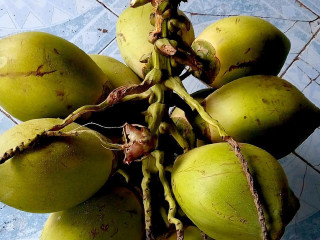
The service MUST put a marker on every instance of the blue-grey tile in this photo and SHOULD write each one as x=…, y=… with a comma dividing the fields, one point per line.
x=307, y=229
x=309, y=150
x=5, y=123
x=312, y=91
x=304, y=182
x=301, y=74
x=84, y=23
x=18, y=225
x=116, y=6
x=286, y=9
x=312, y=5
x=112, y=50
x=311, y=55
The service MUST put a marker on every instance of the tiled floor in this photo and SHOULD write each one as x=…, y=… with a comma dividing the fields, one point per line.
x=90, y=24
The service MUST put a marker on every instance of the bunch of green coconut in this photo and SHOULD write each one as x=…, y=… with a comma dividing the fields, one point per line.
x=100, y=150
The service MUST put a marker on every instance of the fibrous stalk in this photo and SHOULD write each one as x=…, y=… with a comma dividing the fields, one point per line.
x=146, y=199
x=158, y=155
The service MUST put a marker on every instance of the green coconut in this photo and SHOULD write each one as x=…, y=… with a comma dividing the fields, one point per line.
x=43, y=75
x=211, y=188
x=111, y=214
x=118, y=73
x=133, y=28
x=240, y=46
x=54, y=173
x=266, y=111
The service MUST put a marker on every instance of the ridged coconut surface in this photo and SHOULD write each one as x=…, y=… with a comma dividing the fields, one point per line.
x=56, y=173
x=211, y=188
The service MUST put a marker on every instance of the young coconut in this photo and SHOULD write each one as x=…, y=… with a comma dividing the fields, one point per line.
x=266, y=111
x=118, y=73
x=211, y=188
x=114, y=213
x=240, y=46
x=51, y=77
x=133, y=28
x=52, y=173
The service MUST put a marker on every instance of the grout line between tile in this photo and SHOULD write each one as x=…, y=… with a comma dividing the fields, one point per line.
x=107, y=45
x=106, y=7
x=300, y=52
x=306, y=7
x=305, y=161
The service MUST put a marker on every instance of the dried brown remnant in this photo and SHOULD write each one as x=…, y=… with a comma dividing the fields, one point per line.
x=60, y=93
x=117, y=94
x=122, y=37
x=258, y=121
x=138, y=142
x=103, y=30
x=37, y=73
x=168, y=50
x=240, y=65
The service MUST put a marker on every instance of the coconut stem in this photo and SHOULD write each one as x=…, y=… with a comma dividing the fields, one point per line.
x=173, y=131
x=159, y=156
x=120, y=94
x=123, y=174
x=164, y=216
x=106, y=144
x=174, y=83
x=146, y=199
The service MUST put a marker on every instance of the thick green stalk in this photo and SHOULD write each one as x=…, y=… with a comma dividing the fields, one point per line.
x=173, y=131
x=137, y=92
x=146, y=198
x=174, y=83
x=159, y=156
